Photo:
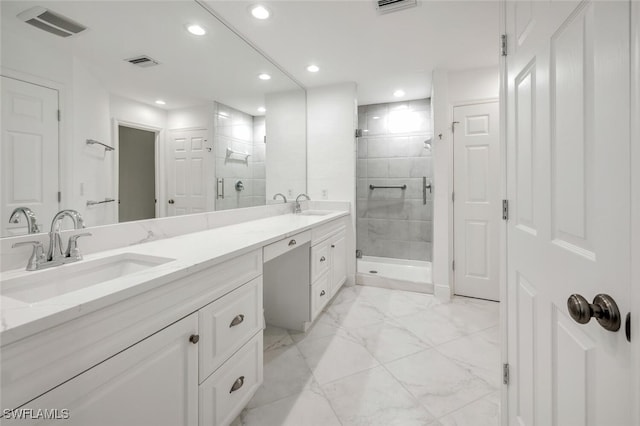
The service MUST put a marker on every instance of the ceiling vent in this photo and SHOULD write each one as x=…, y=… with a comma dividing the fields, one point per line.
x=51, y=22
x=387, y=6
x=143, y=61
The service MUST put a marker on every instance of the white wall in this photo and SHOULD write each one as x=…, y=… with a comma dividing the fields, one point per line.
x=332, y=114
x=92, y=172
x=332, y=117
x=450, y=89
x=286, y=150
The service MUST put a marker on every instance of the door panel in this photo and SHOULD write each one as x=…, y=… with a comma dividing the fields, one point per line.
x=187, y=171
x=568, y=182
x=29, y=153
x=477, y=203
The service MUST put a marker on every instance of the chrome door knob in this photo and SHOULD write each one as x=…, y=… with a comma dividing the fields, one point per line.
x=171, y=201
x=604, y=309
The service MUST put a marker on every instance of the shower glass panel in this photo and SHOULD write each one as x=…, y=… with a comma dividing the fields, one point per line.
x=394, y=201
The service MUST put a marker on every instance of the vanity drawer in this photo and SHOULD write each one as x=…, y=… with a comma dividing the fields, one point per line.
x=276, y=249
x=227, y=391
x=319, y=260
x=319, y=295
x=227, y=324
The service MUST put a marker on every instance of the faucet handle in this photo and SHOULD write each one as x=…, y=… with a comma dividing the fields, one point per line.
x=37, y=255
x=72, y=247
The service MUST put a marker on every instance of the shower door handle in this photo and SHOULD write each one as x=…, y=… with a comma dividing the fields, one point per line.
x=424, y=189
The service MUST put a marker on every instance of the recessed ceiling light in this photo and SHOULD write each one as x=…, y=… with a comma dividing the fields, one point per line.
x=399, y=93
x=262, y=109
x=313, y=68
x=161, y=102
x=260, y=12
x=264, y=76
x=196, y=29
x=376, y=118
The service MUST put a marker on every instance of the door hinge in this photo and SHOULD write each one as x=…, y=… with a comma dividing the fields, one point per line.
x=453, y=126
x=265, y=138
x=59, y=115
x=453, y=197
x=59, y=196
x=505, y=373
x=453, y=265
x=358, y=133
x=505, y=209
x=503, y=45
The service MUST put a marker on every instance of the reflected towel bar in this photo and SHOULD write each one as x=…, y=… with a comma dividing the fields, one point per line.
x=94, y=142
x=403, y=187
x=93, y=203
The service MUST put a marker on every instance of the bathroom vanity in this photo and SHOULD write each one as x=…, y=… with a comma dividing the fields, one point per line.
x=163, y=333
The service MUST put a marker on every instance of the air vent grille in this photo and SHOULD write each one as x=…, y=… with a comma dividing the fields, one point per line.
x=51, y=22
x=386, y=6
x=143, y=61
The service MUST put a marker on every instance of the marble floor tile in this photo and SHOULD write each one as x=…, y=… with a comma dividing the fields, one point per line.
x=388, y=341
x=285, y=373
x=432, y=327
x=354, y=314
x=276, y=338
x=323, y=326
x=347, y=294
x=441, y=385
x=478, y=353
x=307, y=408
x=401, y=303
x=483, y=412
x=331, y=358
x=373, y=397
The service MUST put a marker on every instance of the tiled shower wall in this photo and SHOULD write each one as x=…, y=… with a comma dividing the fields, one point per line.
x=394, y=150
x=242, y=133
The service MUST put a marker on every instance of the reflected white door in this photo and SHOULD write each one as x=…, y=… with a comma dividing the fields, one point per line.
x=187, y=171
x=29, y=153
x=477, y=206
x=568, y=148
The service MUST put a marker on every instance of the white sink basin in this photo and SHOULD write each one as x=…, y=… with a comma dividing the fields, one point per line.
x=315, y=213
x=48, y=283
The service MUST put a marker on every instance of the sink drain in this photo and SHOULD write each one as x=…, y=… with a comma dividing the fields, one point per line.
x=373, y=272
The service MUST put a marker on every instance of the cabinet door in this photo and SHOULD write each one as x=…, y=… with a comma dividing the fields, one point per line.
x=338, y=261
x=154, y=382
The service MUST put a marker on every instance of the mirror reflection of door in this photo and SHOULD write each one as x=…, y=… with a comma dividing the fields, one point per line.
x=136, y=174
x=29, y=154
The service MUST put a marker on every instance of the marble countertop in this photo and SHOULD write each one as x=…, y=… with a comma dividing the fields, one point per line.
x=192, y=253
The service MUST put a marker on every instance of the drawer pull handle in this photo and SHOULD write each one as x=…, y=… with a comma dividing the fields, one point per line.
x=237, y=384
x=292, y=243
x=322, y=259
x=333, y=246
x=237, y=320
x=322, y=293
x=194, y=338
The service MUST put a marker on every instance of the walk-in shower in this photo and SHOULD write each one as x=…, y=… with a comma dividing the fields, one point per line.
x=394, y=203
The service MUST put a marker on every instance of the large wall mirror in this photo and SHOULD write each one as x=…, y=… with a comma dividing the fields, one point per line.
x=126, y=110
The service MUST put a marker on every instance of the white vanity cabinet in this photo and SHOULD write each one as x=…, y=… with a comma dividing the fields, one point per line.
x=155, y=382
x=193, y=355
x=301, y=278
x=328, y=263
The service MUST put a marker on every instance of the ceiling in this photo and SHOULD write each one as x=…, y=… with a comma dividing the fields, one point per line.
x=351, y=41
x=193, y=70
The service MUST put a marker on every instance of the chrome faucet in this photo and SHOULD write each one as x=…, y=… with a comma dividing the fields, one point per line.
x=32, y=226
x=282, y=195
x=297, y=208
x=55, y=255
x=55, y=241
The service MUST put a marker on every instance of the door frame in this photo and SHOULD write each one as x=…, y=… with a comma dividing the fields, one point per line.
x=116, y=123
x=452, y=216
x=635, y=206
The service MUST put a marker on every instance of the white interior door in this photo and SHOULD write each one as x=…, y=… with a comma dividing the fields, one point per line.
x=568, y=180
x=29, y=153
x=477, y=203
x=187, y=171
